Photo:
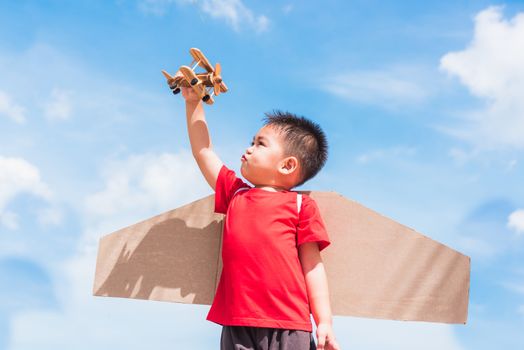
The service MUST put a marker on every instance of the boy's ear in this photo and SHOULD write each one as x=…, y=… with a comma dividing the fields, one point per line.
x=288, y=165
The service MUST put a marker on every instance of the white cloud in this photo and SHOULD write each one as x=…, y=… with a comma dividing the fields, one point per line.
x=288, y=8
x=492, y=68
x=516, y=221
x=9, y=220
x=359, y=333
x=102, y=102
x=18, y=176
x=85, y=322
x=157, y=7
x=514, y=287
x=394, y=152
x=10, y=109
x=520, y=310
x=511, y=165
x=475, y=309
x=59, y=107
x=478, y=247
x=65, y=152
x=233, y=12
x=463, y=156
x=50, y=216
x=483, y=234
x=142, y=185
x=499, y=159
x=134, y=189
x=389, y=88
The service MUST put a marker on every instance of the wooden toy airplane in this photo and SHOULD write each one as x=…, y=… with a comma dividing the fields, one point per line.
x=200, y=82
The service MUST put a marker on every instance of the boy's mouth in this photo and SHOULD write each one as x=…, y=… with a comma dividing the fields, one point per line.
x=243, y=158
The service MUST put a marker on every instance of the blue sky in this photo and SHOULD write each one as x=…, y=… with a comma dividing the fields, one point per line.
x=421, y=102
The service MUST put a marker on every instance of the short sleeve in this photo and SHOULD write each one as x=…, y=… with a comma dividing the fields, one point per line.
x=311, y=227
x=227, y=185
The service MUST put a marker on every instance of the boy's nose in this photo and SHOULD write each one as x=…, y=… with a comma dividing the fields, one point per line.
x=249, y=149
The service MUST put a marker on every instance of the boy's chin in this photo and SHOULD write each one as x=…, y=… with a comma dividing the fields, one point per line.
x=244, y=173
x=247, y=176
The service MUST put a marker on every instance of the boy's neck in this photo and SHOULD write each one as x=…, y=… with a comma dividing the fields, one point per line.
x=271, y=188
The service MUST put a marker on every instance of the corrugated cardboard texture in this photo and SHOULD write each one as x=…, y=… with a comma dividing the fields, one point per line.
x=376, y=267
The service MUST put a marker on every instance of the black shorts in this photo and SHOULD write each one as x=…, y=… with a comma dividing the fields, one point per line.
x=257, y=338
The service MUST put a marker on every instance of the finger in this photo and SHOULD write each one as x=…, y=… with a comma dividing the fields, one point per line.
x=321, y=340
x=186, y=91
x=189, y=90
x=333, y=345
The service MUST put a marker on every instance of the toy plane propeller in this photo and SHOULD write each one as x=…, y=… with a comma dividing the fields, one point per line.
x=206, y=84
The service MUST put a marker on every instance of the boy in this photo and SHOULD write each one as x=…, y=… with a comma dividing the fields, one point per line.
x=272, y=276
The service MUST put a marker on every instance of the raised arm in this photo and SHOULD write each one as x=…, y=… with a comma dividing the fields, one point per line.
x=201, y=146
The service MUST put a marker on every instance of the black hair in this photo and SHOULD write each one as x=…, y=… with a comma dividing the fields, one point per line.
x=303, y=139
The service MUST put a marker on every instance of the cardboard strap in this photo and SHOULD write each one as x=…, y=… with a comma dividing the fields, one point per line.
x=240, y=189
x=299, y=202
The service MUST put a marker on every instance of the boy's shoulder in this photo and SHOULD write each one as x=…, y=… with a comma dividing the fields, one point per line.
x=307, y=206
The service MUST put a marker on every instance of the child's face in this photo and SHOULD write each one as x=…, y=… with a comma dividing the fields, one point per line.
x=261, y=161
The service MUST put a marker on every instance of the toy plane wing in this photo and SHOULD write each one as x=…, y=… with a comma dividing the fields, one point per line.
x=376, y=267
x=199, y=57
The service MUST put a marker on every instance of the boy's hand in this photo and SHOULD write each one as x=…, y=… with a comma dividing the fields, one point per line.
x=189, y=94
x=326, y=337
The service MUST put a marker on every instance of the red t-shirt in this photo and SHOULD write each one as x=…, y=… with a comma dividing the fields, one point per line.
x=262, y=283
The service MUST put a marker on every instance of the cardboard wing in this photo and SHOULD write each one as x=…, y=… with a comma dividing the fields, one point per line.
x=376, y=267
